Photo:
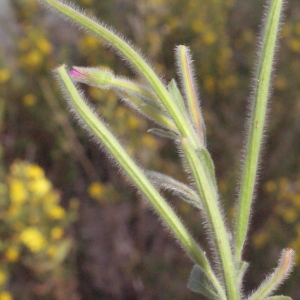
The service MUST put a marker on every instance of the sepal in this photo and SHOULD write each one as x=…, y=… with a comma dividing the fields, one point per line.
x=176, y=187
x=164, y=133
x=208, y=164
x=242, y=267
x=199, y=283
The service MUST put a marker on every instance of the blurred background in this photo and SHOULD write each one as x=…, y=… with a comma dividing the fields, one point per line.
x=70, y=226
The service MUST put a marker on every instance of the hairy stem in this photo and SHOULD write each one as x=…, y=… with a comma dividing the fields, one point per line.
x=138, y=177
x=257, y=123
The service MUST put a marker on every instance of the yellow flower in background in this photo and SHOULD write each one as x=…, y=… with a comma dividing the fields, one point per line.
x=17, y=191
x=281, y=83
x=52, y=251
x=295, y=45
x=56, y=212
x=24, y=44
x=40, y=186
x=133, y=122
x=290, y=215
x=260, y=239
x=33, y=239
x=17, y=169
x=12, y=254
x=4, y=75
x=86, y=2
x=209, y=38
x=209, y=83
x=88, y=43
x=197, y=26
x=5, y=296
x=35, y=171
x=18, y=225
x=149, y=141
x=270, y=186
x=13, y=210
x=29, y=100
x=51, y=198
x=44, y=45
x=57, y=233
x=3, y=277
x=120, y=112
x=96, y=189
x=286, y=30
x=32, y=59
x=74, y=203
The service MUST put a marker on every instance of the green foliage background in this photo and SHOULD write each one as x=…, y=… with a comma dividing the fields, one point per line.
x=120, y=249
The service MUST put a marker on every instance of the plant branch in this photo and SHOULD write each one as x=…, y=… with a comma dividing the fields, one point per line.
x=256, y=126
x=137, y=176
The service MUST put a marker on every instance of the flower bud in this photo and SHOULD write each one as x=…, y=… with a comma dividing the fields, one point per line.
x=92, y=76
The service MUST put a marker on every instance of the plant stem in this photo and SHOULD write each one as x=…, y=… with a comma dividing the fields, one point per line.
x=256, y=126
x=208, y=195
x=138, y=177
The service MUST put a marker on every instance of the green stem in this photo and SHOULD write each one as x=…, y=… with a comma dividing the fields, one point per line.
x=256, y=127
x=209, y=197
x=138, y=177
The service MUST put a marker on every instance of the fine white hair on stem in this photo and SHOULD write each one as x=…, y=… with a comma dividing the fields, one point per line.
x=106, y=27
x=276, y=278
x=257, y=115
x=83, y=125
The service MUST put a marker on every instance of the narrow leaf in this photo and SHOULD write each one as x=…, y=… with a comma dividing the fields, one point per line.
x=257, y=124
x=199, y=283
x=176, y=96
x=186, y=73
x=274, y=280
x=178, y=188
x=148, y=111
x=164, y=133
x=208, y=164
x=279, y=298
x=241, y=270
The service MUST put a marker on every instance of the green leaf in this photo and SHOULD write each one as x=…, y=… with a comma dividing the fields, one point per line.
x=199, y=283
x=178, y=188
x=186, y=72
x=176, y=96
x=257, y=122
x=277, y=277
x=164, y=133
x=242, y=267
x=279, y=298
x=148, y=110
x=208, y=164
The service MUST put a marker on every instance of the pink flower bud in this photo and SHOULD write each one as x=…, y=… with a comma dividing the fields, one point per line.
x=75, y=73
x=92, y=76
